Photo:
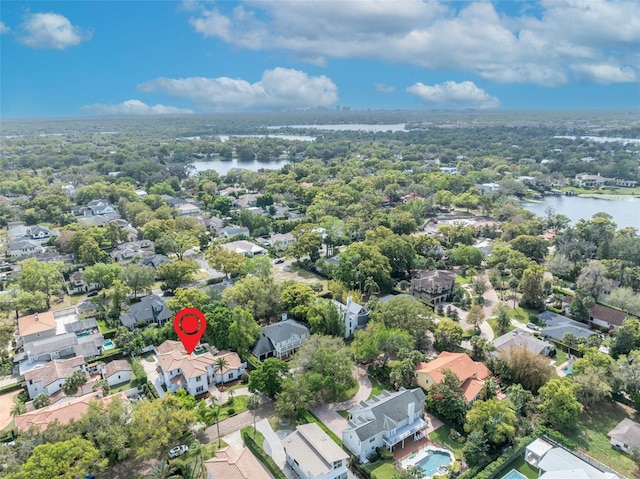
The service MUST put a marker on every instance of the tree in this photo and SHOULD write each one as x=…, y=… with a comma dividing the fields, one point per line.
x=326, y=365
x=253, y=403
x=475, y=447
x=296, y=299
x=218, y=322
x=625, y=299
x=501, y=312
x=531, y=286
x=527, y=368
x=43, y=277
x=514, y=284
x=18, y=408
x=593, y=386
x=361, y=261
x=138, y=277
x=295, y=397
x=259, y=266
x=466, y=256
x=411, y=472
x=102, y=274
x=261, y=298
x=447, y=399
x=570, y=340
x=558, y=403
x=65, y=460
x=324, y=318
x=531, y=246
x=74, y=382
x=519, y=397
x=221, y=259
x=448, y=335
x=580, y=307
x=41, y=400
x=243, y=331
x=177, y=242
x=308, y=243
x=188, y=298
x=480, y=347
x=406, y=313
x=626, y=373
x=494, y=418
x=475, y=317
x=221, y=364
x=593, y=279
x=377, y=341
x=176, y=273
x=626, y=338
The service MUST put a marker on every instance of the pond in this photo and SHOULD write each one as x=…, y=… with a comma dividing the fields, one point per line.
x=224, y=166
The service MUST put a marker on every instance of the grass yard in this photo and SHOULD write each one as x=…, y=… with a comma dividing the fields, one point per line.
x=561, y=356
x=376, y=387
x=523, y=468
x=299, y=275
x=239, y=405
x=441, y=436
x=381, y=470
x=591, y=436
x=463, y=279
x=493, y=322
x=124, y=386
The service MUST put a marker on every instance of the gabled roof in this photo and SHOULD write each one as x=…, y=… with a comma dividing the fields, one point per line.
x=54, y=371
x=155, y=260
x=284, y=330
x=313, y=449
x=173, y=356
x=242, y=247
x=36, y=323
x=150, y=308
x=559, y=459
x=521, y=340
x=387, y=410
x=51, y=344
x=627, y=432
x=116, y=366
x=607, y=314
x=235, y=464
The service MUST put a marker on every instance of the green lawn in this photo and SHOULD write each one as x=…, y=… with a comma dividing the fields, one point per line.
x=344, y=413
x=591, y=436
x=523, y=468
x=124, y=386
x=463, y=279
x=239, y=405
x=441, y=437
x=376, y=387
x=561, y=357
x=493, y=322
x=381, y=470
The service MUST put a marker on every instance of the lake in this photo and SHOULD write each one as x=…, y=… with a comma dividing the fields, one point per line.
x=347, y=127
x=223, y=166
x=625, y=211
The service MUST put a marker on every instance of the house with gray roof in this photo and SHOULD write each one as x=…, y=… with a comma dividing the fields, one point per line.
x=385, y=421
x=313, y=455
x=23, y=247
x=354, y=316
x=521, y=340
x=233, y=231
x=155, y=261
x=150, y=309
x=280, y=339
x=433, y=286
x=625, y=436
x=557, y=326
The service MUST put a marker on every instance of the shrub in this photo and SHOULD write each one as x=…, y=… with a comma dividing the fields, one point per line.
x=231, y=411
x=263, y=457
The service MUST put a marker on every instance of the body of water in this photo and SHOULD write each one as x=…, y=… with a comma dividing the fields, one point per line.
x=224, y=138
x=625, y=211
x=602, y=139
x=347, y=127
x=223, y=166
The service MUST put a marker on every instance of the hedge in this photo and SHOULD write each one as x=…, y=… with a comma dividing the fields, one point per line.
x=309, y=417
x=108, y=356
x=262, y=456
x=11, y=387
x=253, y=362
x=501, y=463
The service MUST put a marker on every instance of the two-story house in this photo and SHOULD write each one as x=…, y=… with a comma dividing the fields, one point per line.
x=19, y=248
x=470, y=373
x=150, y=309
x=433, y=286
x=48, y=378
x=312, y=454
x=385, y=421
x=231, y=463
x=100, y=207
x=280, y=339
x=354, y=316
x=197, y=372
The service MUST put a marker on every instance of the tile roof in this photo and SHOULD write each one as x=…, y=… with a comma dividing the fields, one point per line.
x=54, y=370
x=229, y=463
x=62, y=412
x=173, y=356
x=36, y=323
x=116, y=366
x=313, y=449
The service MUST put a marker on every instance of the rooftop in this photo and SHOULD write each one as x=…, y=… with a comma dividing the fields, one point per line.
x=313, y=449
x=36, y=323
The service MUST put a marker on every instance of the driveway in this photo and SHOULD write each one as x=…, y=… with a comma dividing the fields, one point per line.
x=239, y=421
x=151, y=368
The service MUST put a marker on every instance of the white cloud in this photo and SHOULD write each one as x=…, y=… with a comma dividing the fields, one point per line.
x=464, y=94
x=384, y=88
x=605, y=73
x=537, y=46
x=51, y=30
x=133, y=107
x=279, y=88
x=4, y=28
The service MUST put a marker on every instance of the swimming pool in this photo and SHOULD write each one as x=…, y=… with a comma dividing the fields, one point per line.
x=513, y=474
x=569, y=369
x=430, y=460
x=108, y=344
x=83, y=333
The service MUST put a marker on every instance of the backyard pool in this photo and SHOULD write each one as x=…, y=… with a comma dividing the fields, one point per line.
x=569, y=369
x=513, y=474
x=430, y=460
x=108, y=344
x=83, y=333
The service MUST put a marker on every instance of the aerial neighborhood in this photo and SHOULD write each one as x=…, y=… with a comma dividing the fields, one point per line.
x=400, y=305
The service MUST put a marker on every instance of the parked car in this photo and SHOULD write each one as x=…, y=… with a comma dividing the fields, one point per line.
x=178, y=451
x=533, y=326
x=92, y=294
x=279, y=261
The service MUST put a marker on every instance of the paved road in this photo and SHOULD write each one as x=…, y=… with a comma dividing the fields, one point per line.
x=237, y=422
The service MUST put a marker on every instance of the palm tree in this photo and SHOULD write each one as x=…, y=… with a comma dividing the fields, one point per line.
x=221, y=363
x=163, y=470
x=253, y=403
x=513, y=284
x=215, y=414
x=197, y=450
x=18, y=408
x=74, y=382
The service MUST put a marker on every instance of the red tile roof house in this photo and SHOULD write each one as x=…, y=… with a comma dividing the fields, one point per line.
x=602, y=316
x=471, y=373
x=48, y=379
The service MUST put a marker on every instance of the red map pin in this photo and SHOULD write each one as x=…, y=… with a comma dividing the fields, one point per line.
x=190, y=324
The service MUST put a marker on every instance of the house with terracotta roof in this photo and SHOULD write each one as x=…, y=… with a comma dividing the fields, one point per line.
x=36, y=326
x=116, y=372
x=230, y=463
x=62, y=412
x=470, y=373
x=48, y=378
x=312, y=454
x=196, y=372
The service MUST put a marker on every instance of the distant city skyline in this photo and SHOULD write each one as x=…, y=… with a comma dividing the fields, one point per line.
x=156, y=57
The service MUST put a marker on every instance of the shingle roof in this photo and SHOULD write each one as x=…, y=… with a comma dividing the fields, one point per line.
x=51, y=345
x=558, y=459
x=36, y=323
x=150, y=308
x=81, y=325
x=558, y=326
x=627, y=431
x=262, y=346
x=283, y=330
x=610, y=315
x=54, y=370
x=519, y=339
x=313, y=449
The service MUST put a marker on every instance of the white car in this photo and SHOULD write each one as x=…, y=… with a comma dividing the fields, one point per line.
x=178, y=451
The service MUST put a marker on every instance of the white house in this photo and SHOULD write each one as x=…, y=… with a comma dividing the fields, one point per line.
x=354, y=316
x=313, y=455
x=196, y=372
x=245, y=248
x=48, y=378
x=100, y=207
x=23, y=247
x=280, y=242
x=626, y=435
x=280, y=339
x=385, y=421
x=116, y=372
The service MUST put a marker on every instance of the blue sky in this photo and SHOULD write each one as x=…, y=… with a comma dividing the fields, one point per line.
x=158, y=57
